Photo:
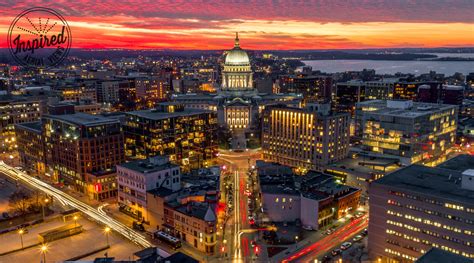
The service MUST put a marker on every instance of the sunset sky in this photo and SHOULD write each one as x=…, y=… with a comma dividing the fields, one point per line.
x=262, y=24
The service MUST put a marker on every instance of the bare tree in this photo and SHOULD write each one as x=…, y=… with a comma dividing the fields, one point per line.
x=20, y=201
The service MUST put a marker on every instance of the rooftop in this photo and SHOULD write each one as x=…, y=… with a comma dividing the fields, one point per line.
x=149, y=165
x=202, y=211
x=85, y=119
x=436, y=255
x=399, y=108
x=279, y=189
x=459, y=163
x=161, y=192
x=160, y=115
x=32, y=126
x=437, y=182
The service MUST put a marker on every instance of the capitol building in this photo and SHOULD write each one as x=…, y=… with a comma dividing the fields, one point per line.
x=237, y=102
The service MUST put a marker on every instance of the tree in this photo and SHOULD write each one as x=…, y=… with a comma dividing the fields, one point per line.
x=20, y=201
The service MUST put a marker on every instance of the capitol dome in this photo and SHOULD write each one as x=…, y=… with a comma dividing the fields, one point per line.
x=237, y=56
x=237, y=73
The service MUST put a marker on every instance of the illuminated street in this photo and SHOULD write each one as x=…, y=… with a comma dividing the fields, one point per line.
x=66, y=199
x=239, y=163
x=326, y=244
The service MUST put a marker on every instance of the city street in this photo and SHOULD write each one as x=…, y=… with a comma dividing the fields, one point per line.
x=238, y=234
x=315, y=250
x=66, y=199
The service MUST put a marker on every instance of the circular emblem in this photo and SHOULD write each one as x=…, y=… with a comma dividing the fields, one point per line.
x=39, y=37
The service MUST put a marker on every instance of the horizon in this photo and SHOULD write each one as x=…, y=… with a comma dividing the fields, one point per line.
x=261, y=25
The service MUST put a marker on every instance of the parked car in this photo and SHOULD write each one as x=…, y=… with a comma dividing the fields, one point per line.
x=5, y=215
x=346, y=245
x=336, y=252
x=359, y=215
x=357, y=238
x=365, y=232
x=138, y=226
x=309, y=228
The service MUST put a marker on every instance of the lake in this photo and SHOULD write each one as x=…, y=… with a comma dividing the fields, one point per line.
x=392, y=67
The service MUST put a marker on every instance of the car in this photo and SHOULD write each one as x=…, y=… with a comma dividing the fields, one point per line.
x=5, y=215
x=336, y=252
x=359, y=215
x=329, y=231
x=365, y=232
x=346, y=245
x=309, y=228
x=253, y=243
x=138, y=226
x=357, y=238
x=285, y=223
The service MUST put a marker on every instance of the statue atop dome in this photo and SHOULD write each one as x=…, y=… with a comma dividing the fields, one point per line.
x=236, y=43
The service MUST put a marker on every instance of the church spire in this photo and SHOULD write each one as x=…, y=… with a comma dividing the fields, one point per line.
x=237, y=44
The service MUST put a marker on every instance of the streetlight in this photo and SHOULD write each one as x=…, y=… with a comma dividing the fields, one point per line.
x=44, y=249
x=75, y=221
x=21, y=232
x=107, y=231
x=46, y=200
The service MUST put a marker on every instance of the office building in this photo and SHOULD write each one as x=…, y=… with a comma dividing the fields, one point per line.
x=417, y=208
x=306, y=138
x=78, y=144
x=314, y=88
x=15, y=110
x=187, y=136
x=152, y=89
x=348, y=94
x=31, y=145
x=412, y=131
x=380, y=89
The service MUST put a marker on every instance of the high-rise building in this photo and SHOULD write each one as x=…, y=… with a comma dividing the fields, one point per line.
x=187, y=136
x=315, y=88
x=15, y=110
x=416, y=208
x=380, y=89
x=152, y=89
x=412, y=131
x=81, y=145
x=31, y=147
x=306, y=138
x=108, y=91
x=348, y=94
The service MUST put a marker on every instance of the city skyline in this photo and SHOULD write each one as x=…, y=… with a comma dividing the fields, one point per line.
x=277, y=26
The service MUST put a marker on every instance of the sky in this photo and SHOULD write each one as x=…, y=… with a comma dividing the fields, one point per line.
x=262, y=24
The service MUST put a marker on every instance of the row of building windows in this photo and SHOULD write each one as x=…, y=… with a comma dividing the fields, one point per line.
x=431, y=212
x=427, y=232
x=432, y=201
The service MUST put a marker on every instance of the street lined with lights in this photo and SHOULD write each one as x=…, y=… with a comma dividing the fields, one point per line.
x=66, y=199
